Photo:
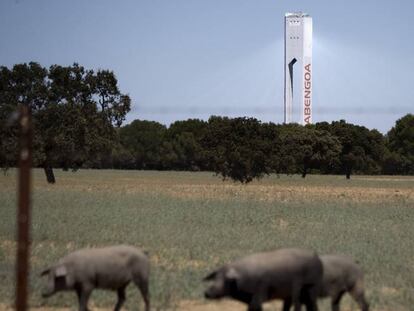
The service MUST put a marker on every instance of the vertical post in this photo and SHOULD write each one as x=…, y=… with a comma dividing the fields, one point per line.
x=23, y=213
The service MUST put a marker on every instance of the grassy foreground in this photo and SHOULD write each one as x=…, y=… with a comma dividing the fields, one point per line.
x=193, y=222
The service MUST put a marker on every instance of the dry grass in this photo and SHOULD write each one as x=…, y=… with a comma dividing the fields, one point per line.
x=194, y=222
x=275, y=193
x=207, y=187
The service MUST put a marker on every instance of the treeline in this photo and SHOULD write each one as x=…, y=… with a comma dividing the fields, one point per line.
x=245, y=148
x=78, y=115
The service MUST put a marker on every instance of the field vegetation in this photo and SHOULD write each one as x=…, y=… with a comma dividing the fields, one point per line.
x=193, y=222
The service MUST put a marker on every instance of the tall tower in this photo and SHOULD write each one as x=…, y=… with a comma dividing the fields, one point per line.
x=298, y=61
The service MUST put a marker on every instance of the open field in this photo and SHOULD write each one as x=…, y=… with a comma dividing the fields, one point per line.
x=193, y=222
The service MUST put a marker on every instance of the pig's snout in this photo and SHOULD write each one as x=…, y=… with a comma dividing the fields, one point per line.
x=46, y=294
x=212, y=294
x=48, y=291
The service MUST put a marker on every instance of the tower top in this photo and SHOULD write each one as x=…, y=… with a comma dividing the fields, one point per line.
x=297, y=14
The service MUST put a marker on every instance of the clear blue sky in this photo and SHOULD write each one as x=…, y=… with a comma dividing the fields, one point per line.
x=180, y=59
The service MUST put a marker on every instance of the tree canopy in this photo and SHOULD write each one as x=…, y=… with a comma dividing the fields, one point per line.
x=236, y=148
x=361, y=149
x=78, y=115
x=400, y=142
x=244, y=149
x=75, y=112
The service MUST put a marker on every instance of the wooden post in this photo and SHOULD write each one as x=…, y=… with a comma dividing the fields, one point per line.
x=23, y=213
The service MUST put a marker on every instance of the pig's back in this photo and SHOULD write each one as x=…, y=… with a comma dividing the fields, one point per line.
x=108, y=267
x=277, y=271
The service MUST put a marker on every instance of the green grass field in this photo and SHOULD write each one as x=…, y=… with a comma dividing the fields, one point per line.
x=193, y=222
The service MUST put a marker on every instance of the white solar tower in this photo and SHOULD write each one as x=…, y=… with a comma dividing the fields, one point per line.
x=298, y=61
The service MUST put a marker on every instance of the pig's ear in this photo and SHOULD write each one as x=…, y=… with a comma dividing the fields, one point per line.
x=44, y=272
x=211, y=276
x=61, y=271
x=232, y=278
x=232, y=274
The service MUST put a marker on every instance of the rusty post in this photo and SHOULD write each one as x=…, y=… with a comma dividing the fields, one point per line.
x=23, y=213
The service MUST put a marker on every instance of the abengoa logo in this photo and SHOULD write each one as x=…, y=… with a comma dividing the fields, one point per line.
x=307, y=101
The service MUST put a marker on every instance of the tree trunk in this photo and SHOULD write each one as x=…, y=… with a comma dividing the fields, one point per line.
x=348, y=175
x=50, y=176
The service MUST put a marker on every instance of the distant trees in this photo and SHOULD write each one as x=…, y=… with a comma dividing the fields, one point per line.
x=182, y=147
x=237, y=148
x=144, y=140
x=243, y=149
x=400, y=142
x=152, y=146
x=361, y=149
x=309, y=149
x=78, y=115
x=75, y=112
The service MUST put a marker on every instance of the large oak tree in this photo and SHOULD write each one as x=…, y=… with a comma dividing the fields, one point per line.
x=75, y=113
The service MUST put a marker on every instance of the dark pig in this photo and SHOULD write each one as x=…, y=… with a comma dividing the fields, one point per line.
x=285, y=274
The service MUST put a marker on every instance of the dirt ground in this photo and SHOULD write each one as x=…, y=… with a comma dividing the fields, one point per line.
x=191, y=305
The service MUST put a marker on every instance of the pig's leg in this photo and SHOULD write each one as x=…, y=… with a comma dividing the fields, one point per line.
x=357, y=294
x=287, y=303
x=363, y=304
x=143, y=288
x=121, y=298
x=83, y=293
x=296, y=295
x=255, y=303
x=254, y=308
x=336, y=299
x=312, y=304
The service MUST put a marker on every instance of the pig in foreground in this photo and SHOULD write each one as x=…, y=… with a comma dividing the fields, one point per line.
x=110, y=268
x=285, y=274
x=341, y=275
